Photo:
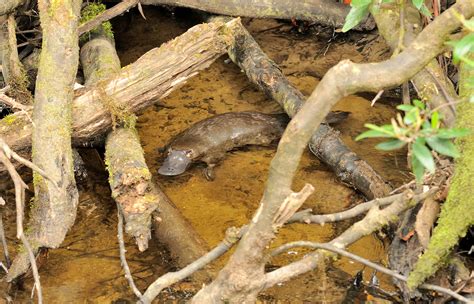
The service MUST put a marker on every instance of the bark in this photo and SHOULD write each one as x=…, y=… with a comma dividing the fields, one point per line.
x=431, y=82
x=457, y=213
x=55, y=203
x=153, y=76
x=12, y=69
x=130, y=178
x=177, y=234
x=324, y=12
x=325, y=143
x=8, y=6
x=130, y=181
x=241, y=279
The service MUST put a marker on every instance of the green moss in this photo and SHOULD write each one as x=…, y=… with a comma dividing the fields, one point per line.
x=457, y=214
x=9, y=119
x=90, y=12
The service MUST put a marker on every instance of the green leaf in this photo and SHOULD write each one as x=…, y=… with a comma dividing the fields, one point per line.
x=371, y=134
x=462, y=47
x=387, y=129
x=452, y=133
x=417, y=3
x=423, y=154
x=417, y=168
x=419, y=104
x=425, y=11
x=435, y=120
x=443, y=146
x=359, y=10
x=405, y=107
x=411, y=117
x=391, y=145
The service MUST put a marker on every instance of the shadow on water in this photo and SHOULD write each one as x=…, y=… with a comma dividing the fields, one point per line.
x=86, y=269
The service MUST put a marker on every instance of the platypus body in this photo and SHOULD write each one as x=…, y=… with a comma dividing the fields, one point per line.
x=208, y=140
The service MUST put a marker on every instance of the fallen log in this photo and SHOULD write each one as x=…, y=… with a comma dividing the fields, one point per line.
x=130, y=179
x=56, y=199
x=153, y=76
x=325, y=143
x=324, y=12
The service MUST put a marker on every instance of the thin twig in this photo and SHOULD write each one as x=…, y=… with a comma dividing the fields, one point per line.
x=305, y=216
x=449, y=101
x=20, y=186
x=11, y=154
x=12, y=102
x=377, y=97
x=232, y=236
x=4, y=243
x=123, y=259
x=112, y=12
x=34, y=268
x=332, y=248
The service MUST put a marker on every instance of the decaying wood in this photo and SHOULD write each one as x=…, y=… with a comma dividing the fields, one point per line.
x=7, y=6
x=153, y=76
x=320, y=11
x=425, y=220
x=129, y=176
x=325, y=143
x=130, y=181
x=431, y=82
x=51, y=138
x=241, y=279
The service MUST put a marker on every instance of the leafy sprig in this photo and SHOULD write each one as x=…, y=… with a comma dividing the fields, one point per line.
x=421, y=130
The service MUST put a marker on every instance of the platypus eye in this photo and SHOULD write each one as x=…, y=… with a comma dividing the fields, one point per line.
x=189, y=153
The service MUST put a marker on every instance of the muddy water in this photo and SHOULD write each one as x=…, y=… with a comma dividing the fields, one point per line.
x=87, y=269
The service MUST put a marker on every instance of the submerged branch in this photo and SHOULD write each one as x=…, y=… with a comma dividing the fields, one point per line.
x=231, y=237
x=305, y=216
x=368, y=263
x=373, y=221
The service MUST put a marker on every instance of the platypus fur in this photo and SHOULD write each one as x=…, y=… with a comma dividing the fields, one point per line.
x=208, y=140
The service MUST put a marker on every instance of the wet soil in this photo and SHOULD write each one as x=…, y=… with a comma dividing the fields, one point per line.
x=86, y=269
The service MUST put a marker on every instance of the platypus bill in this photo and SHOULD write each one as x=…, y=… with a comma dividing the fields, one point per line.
x=208, y=140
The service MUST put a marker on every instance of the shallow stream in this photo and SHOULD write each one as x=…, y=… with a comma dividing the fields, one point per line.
x=86, y=269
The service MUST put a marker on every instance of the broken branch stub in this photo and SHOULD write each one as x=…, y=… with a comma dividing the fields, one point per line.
x=130, y=181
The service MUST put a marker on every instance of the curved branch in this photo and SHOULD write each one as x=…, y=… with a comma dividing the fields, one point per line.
x=366, y=262
x=305, y=216
x=344, y=79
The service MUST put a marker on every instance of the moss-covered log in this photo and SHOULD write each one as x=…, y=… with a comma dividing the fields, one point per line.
x=129, y=177
x=324, y=12
x=55, y=203
x=325, y=143
x=457, y=213
x=437, y=93
x=153, y=76
x=7, y=6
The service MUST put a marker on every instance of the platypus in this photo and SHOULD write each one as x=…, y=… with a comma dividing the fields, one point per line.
x=208, y=140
